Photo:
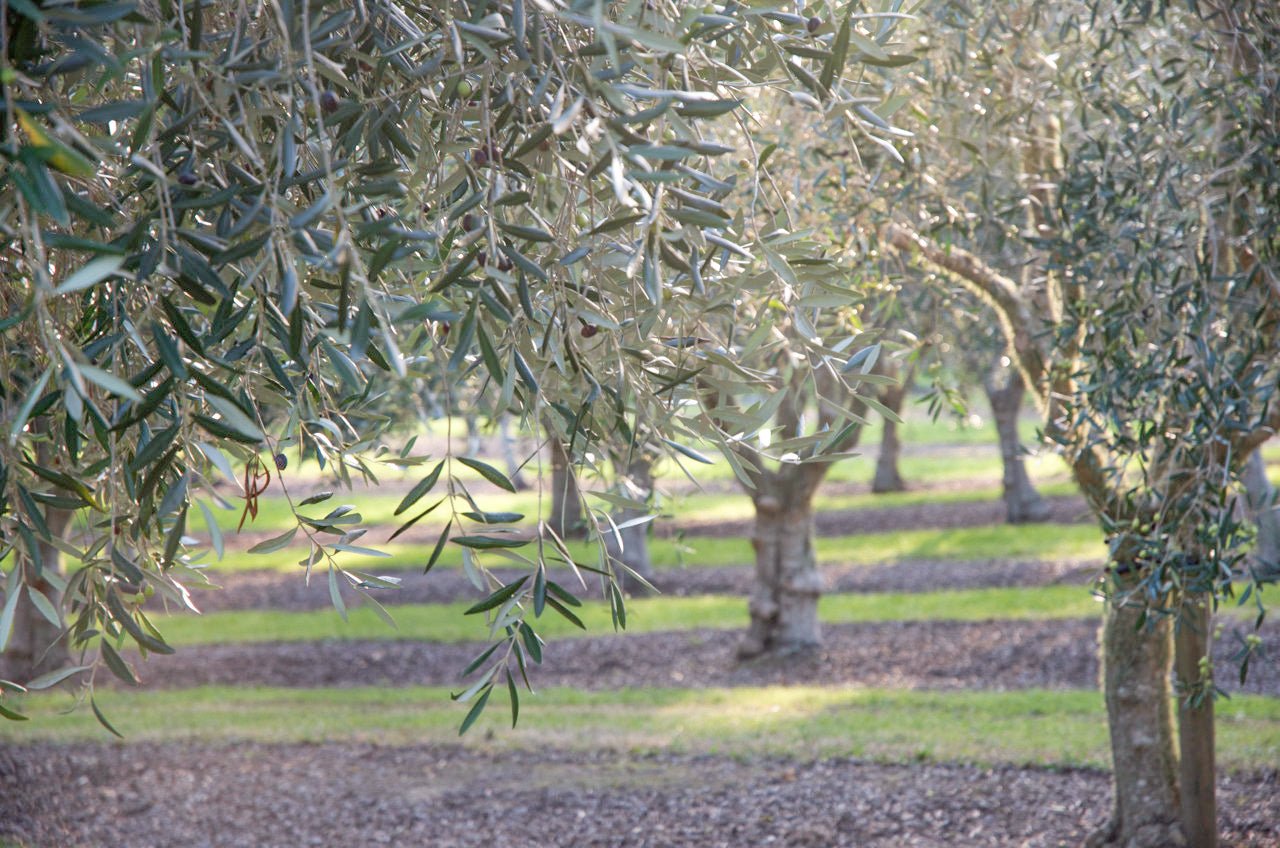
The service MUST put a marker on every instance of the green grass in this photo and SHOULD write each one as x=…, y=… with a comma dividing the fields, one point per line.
x=1062, y=728
x=447, y=623
x=1072, y=542
x=274, y=514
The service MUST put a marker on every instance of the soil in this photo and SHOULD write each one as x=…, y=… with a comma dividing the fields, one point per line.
x=355, y=793
x=289, y=591
x=250, y=794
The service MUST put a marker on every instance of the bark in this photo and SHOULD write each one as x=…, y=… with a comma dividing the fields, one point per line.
x=566, y=500
x=1023, y=504
x=513, y=464
x=784, y=597
x=1265, y=515
x=37, y=646
x=630, y=545
x=888, y=478
x=1136, y=666
x=1195, y=725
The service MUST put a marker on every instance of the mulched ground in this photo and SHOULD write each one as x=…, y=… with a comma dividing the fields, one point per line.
x=253, y=794
x=198, y=795
x=289, y=591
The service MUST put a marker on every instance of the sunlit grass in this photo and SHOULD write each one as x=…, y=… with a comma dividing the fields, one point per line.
x=377, y=506
x=1050, y=728
x=997, y=541
x=447, y=622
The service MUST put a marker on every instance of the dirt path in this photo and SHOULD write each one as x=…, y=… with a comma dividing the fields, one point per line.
x=249, y=794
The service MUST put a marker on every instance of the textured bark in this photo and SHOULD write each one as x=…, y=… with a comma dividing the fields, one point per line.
x=1265, y=515
x=36, y=646
x=509, y=454
x=1195, y=727
x=631, y=544
x=888, y=478
x=566, y=500
x=784, y=598
x=1137, y=662
x=1005, y=390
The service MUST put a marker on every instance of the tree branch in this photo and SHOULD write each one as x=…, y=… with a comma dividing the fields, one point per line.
x=993, y=287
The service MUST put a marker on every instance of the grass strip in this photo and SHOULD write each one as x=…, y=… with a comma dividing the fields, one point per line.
x=447, y=622
x=1058, y=542
x=1039, y=727
x=378, y=510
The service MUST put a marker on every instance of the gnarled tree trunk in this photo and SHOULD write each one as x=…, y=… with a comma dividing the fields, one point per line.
x=1197, y=769
x=784, y=597
x=508, y=444
x=1136, y=664
x=36, y=645
x=630, y=545
x=888, y=478
x=1265, y=514
x=1004, y=389
x=566, y=500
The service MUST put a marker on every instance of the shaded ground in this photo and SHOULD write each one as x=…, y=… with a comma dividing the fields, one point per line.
x=197, y=795
x=995, y=655
x=288, y=591
x=253, y=794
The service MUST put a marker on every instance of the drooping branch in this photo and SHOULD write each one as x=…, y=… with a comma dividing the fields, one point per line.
x=1002, y=293
x=1050, y=386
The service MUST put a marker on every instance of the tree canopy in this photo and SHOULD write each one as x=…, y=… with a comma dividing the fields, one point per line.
x=230, y=229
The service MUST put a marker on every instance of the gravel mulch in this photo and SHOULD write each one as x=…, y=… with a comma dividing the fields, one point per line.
x=250, y=794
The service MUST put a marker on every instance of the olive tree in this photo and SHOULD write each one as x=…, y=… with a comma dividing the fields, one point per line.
x=228, y=230
x=1148, y=336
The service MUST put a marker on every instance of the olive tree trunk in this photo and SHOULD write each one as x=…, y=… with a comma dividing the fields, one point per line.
x=1262, y=506
x=888, y=478
x=509, y=458
x=1137, y=660
x=784, y=597
x=1004, y=389
x=630, y=545
x=1197, y=768
x=566, y=500
x=37, y=645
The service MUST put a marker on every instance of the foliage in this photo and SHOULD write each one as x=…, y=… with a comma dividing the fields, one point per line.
x=230, y=230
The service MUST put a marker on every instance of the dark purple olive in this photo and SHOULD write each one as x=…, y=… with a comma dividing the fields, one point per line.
x=282, y=462
x=329, y=101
